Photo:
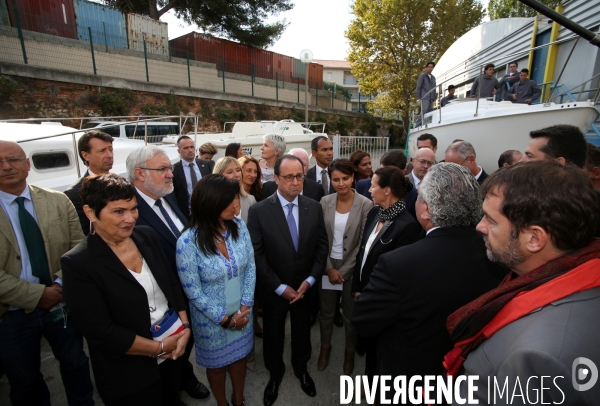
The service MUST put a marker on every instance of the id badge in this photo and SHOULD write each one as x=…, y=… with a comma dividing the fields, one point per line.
x=58, y=312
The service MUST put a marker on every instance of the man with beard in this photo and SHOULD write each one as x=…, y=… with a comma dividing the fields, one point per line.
x=150, y=170
x=96, y=151
x=543, y=320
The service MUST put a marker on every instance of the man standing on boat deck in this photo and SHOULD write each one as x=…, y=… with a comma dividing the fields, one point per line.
x=489, y=84
x=512, y=76
x=524, y=91
x=96, y=152
x=463, y=153
x=425, y=83
x=450, y=97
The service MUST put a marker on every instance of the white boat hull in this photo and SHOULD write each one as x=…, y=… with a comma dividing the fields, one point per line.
x=498, y=126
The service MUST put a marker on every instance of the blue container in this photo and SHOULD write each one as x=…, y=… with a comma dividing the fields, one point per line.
x=107, y=24
x=4, y=16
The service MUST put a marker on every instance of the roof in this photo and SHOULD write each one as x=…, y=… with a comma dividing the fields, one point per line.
x=332, y=63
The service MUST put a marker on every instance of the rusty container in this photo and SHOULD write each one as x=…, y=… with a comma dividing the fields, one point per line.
x=53, y=17
x=155, y=33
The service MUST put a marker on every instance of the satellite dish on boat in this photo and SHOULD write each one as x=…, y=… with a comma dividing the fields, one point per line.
x=306, y=56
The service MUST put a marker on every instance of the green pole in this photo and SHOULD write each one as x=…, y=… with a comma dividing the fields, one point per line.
x=317, y=89
x=346, y=103
x=105, y=39
x=187, y=55
x=252, y=77
x=92, y=49
x=276, y=85
x=359, y=101
x=146, y=60
x=21, y=36
x=223, y=72
x=298, y=89
x=332, y=95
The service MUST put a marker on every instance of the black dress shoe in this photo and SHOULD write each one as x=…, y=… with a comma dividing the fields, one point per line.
x=338, y=320
x=271, y=391
x=307, y=384
x=199, y=391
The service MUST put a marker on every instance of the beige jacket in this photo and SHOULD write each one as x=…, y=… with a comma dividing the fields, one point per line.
x=61, y=230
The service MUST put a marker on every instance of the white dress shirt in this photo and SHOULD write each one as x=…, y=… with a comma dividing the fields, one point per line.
x=152, y=203
x=295, y=212
x=480, y=172
x=417, y=180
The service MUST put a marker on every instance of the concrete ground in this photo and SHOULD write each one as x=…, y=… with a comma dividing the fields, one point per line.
x=327, y=382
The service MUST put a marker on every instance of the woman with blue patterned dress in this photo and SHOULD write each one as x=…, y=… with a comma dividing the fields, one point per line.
x=215, y=262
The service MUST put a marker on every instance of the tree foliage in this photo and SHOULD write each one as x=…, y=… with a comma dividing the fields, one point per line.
x=392, y=40
x=514, y=8
x=240, y=20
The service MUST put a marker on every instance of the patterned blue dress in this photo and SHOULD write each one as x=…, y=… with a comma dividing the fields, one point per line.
x=217, y=287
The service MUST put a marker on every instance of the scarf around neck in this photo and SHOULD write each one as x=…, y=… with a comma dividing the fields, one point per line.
x=465, y=325
x=391, y=212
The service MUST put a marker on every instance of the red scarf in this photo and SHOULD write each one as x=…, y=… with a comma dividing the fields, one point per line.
x=517, y=296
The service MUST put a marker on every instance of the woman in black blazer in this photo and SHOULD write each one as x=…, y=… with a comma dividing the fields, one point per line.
x=117, y=282
x=389, y=226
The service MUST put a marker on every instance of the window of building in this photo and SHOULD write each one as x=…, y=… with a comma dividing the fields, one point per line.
x=51, y=160
x=329, y=76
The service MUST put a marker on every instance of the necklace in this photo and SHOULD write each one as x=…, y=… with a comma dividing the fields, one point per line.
x=151, y=308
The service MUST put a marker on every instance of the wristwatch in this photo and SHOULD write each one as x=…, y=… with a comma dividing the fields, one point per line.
x=186, y=326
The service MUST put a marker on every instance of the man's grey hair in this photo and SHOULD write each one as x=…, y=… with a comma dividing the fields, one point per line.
x=463, y=149
x=278, y=142
x=452, y=194
x=138, y=158
x=296, y=151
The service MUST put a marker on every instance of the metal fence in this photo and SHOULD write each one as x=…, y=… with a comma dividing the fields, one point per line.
x=344, y=146
x=95, y=54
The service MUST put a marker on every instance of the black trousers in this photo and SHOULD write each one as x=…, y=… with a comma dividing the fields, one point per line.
x=275, y=310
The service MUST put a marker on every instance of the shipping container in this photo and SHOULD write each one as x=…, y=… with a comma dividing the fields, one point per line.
x=315, y=75
x=201, y=47
x=107, y=24
x=237, y=57
x=155, y=33
x=263, y=63
x=54, y=17
x=283, y=66
x=4, y=17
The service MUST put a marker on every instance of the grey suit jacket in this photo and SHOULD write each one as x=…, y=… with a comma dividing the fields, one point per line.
x=424, y=84
x=546, y=342
x=410, y=177
x=353, y=232
x=245, y=203
x=61, y=231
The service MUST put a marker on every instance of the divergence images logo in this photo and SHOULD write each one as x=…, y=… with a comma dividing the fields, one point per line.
x=584, y=369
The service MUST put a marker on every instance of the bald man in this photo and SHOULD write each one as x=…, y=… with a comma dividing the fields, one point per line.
x=311, y=189
x=37, y=226
x=423, y=160
x=463, y=153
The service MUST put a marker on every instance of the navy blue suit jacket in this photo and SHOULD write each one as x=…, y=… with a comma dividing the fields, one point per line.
x=148, y=217
x=362, y=188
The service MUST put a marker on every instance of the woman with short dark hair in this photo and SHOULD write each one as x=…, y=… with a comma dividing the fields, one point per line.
x=345, y=213
x=215, y=262
x=118, y=284
x=389, y=226
x=234, y=150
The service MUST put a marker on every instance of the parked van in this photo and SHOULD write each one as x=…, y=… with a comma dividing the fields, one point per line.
x=156, y=130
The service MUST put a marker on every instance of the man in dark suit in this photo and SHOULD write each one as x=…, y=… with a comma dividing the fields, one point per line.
x=187, y=172
x=96, y=152
x=322, y=150
x=150, y=171
x=290, y=249
x=411, y=292
x=463, y=153
x=310, y=189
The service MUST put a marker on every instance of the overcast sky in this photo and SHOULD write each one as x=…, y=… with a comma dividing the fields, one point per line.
x=317, y=25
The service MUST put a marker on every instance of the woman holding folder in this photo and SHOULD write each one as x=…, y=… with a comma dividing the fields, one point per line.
x=118, y=285
x=345, y=213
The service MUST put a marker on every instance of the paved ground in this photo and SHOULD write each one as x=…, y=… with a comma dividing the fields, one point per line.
x=327, y=382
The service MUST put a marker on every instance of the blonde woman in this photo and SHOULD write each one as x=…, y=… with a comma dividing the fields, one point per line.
x=251, y=176
x=230, y=168
x=272, y=148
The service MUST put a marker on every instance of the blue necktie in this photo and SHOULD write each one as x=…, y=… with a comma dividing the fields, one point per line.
x=35, y=244
x=172, y=225
x=292, y=225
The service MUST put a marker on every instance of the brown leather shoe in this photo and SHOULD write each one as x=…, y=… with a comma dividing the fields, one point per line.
x=348, y=362
x=324, y=357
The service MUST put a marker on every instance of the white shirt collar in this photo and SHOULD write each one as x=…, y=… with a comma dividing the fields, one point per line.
x=8, y=198
x=431, y=229
x=417, y=180
x=151, y=202
x=319, y=170
x=480, y=172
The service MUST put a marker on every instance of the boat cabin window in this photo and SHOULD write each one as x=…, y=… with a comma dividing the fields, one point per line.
x=50, y=160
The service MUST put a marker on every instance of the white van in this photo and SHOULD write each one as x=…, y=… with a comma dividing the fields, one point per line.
x=156, y=130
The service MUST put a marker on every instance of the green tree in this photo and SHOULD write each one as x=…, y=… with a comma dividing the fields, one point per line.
x=513, y=8
x=392, y=40
x=240, y=20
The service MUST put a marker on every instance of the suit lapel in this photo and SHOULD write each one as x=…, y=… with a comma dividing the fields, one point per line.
x=279, y=216
x=8, y=232
x=41, y=211
x=203, y=167
x=302, y=221
x=108, y=258
x=330, y=222
x=145, y=249
x=154, y=221
x=379, y=234
x=173, y=204
x=353, y=216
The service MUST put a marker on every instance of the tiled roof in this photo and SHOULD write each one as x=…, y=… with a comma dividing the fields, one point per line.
x=332, y=64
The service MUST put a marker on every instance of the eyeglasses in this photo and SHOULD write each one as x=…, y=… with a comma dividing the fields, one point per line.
x=162, y=169
x=11, y=160
x=425, y=162
x=290, y=178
